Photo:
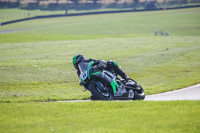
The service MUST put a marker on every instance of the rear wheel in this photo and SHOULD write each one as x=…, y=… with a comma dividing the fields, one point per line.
x=99, y=91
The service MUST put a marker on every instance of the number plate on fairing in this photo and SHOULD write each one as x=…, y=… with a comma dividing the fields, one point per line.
x=83, y=75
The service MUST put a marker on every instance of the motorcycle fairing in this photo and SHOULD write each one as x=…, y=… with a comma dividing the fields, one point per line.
x=87, y=71
x=109, y=77
x=114, y=85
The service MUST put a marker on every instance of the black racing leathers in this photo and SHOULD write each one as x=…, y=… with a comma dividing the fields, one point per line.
x=109, y=65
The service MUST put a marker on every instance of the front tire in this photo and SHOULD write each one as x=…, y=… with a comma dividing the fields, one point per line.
x=139, y=94
x=99, y=91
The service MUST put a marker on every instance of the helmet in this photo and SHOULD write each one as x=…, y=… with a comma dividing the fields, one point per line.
x=77, y=59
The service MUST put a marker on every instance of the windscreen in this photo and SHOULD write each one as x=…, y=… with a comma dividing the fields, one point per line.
x=83, y=66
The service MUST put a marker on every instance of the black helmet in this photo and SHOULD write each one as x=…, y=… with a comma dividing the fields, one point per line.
x=77, y=59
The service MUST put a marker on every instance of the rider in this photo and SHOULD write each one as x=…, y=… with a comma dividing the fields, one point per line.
x=110, y=65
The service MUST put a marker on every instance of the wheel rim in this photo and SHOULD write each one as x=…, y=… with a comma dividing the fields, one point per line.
x=102, y=91
x=140, y=91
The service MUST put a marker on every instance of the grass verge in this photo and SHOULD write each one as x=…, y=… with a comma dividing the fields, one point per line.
x=98, y=117
x=36, y=56
x=43, y=71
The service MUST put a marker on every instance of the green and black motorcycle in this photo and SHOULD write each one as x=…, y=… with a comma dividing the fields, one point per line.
x=105, y=85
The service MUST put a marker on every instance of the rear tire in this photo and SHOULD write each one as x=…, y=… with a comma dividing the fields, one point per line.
x=98, y=92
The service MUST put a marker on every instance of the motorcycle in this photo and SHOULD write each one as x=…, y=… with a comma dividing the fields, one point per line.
x=105, y=85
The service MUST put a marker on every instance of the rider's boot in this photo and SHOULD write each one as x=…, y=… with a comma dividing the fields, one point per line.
x=129, y=82
x=118, y=70
x=114, y=66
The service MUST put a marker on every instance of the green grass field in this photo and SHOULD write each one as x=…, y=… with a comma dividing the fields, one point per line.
x=98, y=117
x=36, y=65
x=36, y=56
x=15, y=13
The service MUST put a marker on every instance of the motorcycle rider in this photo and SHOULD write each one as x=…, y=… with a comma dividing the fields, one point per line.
x=109, y=65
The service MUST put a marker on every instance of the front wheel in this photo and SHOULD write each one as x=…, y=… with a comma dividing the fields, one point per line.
x=99, y=91
x=139, y=94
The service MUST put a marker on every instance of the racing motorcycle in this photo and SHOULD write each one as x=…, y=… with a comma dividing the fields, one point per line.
x=106, y=85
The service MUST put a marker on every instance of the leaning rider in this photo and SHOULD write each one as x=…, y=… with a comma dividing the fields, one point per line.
x=109, y=65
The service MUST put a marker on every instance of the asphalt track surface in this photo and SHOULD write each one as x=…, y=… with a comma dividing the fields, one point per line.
x=189, y=93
